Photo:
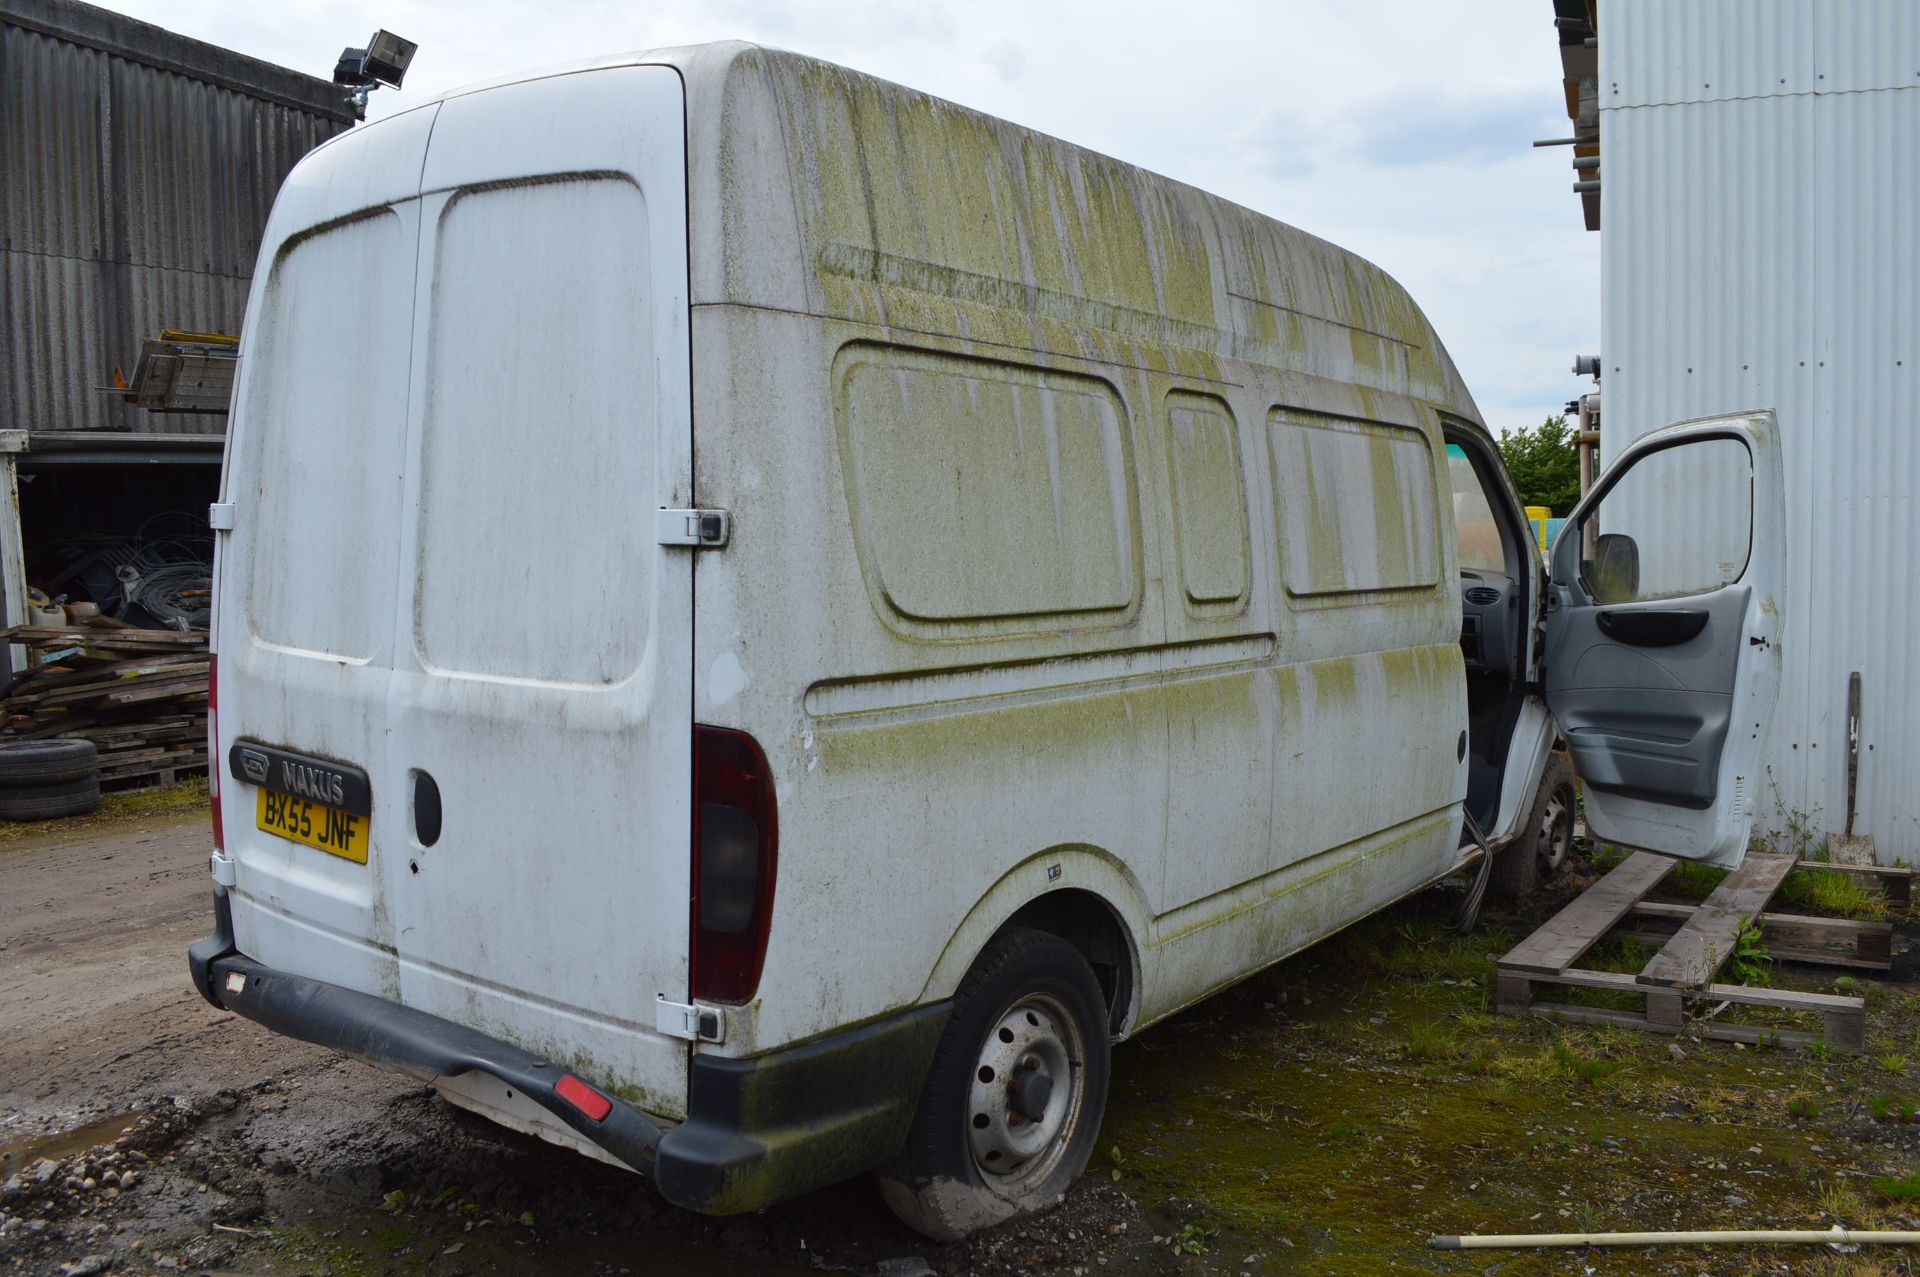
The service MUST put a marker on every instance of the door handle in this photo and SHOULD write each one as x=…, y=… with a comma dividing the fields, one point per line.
x=1663, y=627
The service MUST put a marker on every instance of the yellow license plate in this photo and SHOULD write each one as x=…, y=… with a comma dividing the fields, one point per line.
x=336, y=832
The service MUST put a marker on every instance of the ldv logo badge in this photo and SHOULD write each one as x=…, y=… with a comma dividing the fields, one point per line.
x=254, y=765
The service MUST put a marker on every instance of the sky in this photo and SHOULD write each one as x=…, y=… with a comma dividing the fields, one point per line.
x=1399, y=129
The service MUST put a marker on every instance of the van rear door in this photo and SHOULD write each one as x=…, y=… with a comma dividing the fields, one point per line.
x=530, y=753
x=1663, y=635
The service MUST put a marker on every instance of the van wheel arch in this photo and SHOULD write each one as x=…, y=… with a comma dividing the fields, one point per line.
x=1091, y=926
x=1102, y=914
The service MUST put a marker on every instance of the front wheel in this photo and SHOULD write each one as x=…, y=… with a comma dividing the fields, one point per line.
x=1545, y=841
x=1012, y=1108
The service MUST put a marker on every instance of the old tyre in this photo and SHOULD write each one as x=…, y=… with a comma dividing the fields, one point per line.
x=50, y=802
x=46, y=762
x=1544, y=841
x=1013, y=1101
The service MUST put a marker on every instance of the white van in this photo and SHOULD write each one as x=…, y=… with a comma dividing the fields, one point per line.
x=766, y=618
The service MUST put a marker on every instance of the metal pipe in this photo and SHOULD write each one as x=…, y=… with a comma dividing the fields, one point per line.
x=1586, y=161
x=1557, y=141
x=1750, y=1237
x=1592, y=185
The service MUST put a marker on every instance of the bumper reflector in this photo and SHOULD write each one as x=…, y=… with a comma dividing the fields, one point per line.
x=583, y=1097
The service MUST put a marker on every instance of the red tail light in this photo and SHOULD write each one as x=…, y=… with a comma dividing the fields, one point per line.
x=213, y=750
x=735, y=844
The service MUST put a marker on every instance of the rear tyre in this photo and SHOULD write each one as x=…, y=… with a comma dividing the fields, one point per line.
x=1013, y=1102
x=46, y=762
x=1545, y=840
x=50, y=802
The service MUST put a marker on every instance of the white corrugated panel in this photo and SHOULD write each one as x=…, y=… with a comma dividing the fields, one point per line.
x=1665, y=51
x=1765, y=252
x=1866, y=44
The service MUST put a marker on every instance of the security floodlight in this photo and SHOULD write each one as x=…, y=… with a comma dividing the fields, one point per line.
x=387, y=58
x=383, y=61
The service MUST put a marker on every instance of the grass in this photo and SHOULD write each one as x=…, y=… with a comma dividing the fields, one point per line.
x=1898, y=1188
x=1693, y=881
x=1592, y=1070
x=1830, y=892
x=127, y=805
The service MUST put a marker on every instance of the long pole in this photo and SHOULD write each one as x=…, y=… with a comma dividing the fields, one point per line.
x=1755, y=1237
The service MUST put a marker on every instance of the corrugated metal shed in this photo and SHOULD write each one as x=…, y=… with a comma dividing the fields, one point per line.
x=137, y=168
x=1761, y=248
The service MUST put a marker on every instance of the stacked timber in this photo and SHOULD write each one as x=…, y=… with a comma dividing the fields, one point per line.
x=139, y=695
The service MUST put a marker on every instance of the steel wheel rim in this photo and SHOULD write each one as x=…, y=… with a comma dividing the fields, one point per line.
x=1012, y=1152
x=1556, y=828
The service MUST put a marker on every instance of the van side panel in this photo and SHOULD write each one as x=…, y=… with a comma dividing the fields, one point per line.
x=1259, y=765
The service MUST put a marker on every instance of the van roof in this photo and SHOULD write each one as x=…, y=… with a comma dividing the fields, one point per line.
x=817, y=188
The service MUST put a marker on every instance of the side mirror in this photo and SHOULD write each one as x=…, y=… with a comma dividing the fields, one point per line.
x=1614, y=574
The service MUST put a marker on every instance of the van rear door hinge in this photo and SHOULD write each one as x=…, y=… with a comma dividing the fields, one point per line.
x=706, y=528
x=679, y=1020
x=220, y=516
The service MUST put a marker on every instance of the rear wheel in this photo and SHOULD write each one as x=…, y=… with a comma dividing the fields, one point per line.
x=1013, y=1101
x=1545, y=840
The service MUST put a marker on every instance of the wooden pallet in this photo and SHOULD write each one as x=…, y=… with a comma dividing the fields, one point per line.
x=1695, y=941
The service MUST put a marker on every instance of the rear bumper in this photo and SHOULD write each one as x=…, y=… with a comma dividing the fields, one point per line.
x=759, y=1130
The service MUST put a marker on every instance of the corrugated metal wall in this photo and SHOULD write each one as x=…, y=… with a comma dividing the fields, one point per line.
x=136, y=172
x=1761, y=248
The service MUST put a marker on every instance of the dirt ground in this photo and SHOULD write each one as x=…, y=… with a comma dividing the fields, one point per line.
x=1326, y=1117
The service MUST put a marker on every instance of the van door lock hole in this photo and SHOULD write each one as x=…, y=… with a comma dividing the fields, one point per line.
x=426, y=809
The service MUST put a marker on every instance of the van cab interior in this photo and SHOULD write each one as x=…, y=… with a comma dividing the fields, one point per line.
x=1498, y=569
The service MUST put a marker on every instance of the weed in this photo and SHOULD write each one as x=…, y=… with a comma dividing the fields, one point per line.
x=1820, y=1049
x=1839, y=1202
x=1802, y=1107
x=1898, y=1188
x=1750, y=962
x=1694, y=881
x=1892, y=1062
x=1588, y=1069
x=1607, y=855
x=1590, y=1218
x=1797, y=836
x=1430, y=1040
x=1190, y=1240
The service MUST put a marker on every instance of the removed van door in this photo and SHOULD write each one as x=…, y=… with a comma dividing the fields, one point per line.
x=1663, y=633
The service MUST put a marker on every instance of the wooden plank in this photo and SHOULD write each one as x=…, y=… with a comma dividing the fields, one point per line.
x=1559, y=943
x=1705, y=939
x=59, y=635
x=1796, y=937
x=1859, y=961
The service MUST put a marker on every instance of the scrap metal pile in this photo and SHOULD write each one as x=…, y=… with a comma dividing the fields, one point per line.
x=140, y=695
x=161, y=576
